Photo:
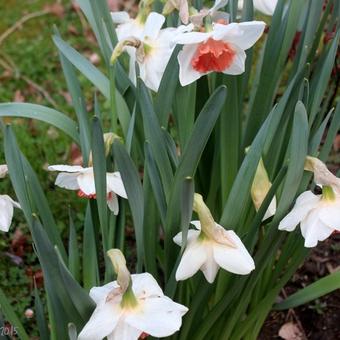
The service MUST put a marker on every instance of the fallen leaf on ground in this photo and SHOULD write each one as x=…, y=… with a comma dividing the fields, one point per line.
x=291, y=331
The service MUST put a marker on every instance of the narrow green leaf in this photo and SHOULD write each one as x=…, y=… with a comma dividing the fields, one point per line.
x=135, y=195
x=90, y=263
x=43, y=113
x=156, y=183
x=40, y=316
x=167, y=88
x=10, y=315
x=73, y=251
x=78, y=102
x=154, y=135
x=313, y=291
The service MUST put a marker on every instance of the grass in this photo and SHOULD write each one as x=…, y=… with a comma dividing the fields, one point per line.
x=31, y=54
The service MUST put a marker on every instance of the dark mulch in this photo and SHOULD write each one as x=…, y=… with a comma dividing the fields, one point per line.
x=320, y=319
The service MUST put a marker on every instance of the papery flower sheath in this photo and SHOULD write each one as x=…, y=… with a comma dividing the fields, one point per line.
x=210, y=247
x=265, y=6
x=82, y=179
x=259, y=190
x=222, y=49
x=131, y=306
x=318, y=215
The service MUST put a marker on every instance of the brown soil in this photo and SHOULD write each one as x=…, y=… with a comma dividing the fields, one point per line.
x=317, y=320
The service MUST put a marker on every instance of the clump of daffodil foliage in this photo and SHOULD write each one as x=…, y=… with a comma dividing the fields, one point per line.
x=210, y=150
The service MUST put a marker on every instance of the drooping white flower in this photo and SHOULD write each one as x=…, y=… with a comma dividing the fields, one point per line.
x=7, y=206
x=219, y=50
x=82, y=179
x=3, y=170
x=265, y=6
x=151, y=48
x=210, y=247
x=318, y=215
x=131, y=306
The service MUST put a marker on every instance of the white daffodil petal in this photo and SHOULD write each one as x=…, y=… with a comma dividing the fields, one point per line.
x=192, y=38
x=115, y=184
x=187, y=74
x=120, y=17
x=66, y=168
x=271, y=209
x=210, y=267
x=192, y=260
x=265, y=6
x=243, y=35
x=251, y=33
x=238, y=64
x=102, y=322
x=112, y=203
x=235, y=260
x=99, y=294
x=160, y=317
x=6, y=212
x=192, y=236
x=86, y=183
x=144, y=285
x=303, y=205
x=67, y=180
x=153, y=25
x=124, y=331
x=313, y=230
x=3, y=170
x=330, y=216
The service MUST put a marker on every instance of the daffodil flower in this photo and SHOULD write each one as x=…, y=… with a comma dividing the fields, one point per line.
x=210, y=247
x=318, y=215
x=131, y=306
x=265, y=6
x=221, y=48
x=82, y=179
x=151, y=48
x=7, y=205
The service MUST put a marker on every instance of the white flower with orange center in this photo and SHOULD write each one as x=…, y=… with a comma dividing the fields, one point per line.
x=75, y=177
x=131, y=307
x=210, y=247
x=318, y=215
x=219, y=49
x=7, y=205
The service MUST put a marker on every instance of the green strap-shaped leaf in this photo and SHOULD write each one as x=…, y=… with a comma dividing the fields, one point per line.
x=40, y=316
x=167, y=88
x=135, y=195
x=155, y=136
x=43, y=113
x=10, y=315
x=313, y=291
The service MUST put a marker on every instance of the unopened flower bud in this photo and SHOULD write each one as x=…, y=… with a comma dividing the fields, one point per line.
x=29, y=313
x=119, y=49
x=119, y=264
x=208, y=224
